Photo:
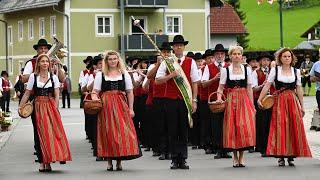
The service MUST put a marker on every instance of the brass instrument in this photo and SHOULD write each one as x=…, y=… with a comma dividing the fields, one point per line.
x=57, y=50
x=304, y=72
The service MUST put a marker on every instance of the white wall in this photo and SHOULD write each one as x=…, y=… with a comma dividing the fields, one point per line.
x=225, y=40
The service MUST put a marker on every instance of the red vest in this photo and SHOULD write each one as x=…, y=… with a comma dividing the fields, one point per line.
x=261, y=78
x=86, y=71
x=172, y=91
x=203, y=92
x=159, y=90
x=213, y=71
x=5, y=85
x=150, y=93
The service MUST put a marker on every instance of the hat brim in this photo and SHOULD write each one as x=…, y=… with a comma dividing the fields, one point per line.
x=35, y=47
x=168, y=49
x=267, y=56
x=220, y=50
x=179, y=42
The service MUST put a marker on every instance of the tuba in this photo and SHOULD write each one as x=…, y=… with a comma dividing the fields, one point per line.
x=57, y=50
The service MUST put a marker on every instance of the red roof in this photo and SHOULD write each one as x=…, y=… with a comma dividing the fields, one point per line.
x=225, y=20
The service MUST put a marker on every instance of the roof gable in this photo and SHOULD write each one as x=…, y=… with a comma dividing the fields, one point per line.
x=7, y=6
x=225, y=20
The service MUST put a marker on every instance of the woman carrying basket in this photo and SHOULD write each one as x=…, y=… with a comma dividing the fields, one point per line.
x=53, y=144
x=116, y=135
x=239, y=117
x=287, y=138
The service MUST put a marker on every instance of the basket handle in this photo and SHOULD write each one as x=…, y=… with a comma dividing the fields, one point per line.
x=85, y=98
x=223, y=96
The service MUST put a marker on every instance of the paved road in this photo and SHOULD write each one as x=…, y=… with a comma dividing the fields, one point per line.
x=17, y=161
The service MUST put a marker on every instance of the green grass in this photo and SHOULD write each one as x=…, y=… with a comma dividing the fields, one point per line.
x=263, y=24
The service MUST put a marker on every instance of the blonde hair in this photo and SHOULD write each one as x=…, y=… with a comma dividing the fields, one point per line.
x=37, y=66
x=105, y=67
x=279, y=55
x=233, y=48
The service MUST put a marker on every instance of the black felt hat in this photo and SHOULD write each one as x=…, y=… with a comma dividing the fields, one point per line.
x=88, y=59
x=265, y=55
x=197, y=56
x=165, y=46
x=208, y=52
x=178, y=39
x=4, y=73
x=96, y=59
x=251, y=57
x=42, y=42
x=219, y=48
x=190, y=54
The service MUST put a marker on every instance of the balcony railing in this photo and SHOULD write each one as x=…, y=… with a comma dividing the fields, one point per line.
x=144, y=3
x=138, y=42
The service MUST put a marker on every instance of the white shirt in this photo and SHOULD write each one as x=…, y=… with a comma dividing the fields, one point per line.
x=162, y=71
x=98, y=80
x=28, y=69
x=90, y=79
x=255, y=77
x=223, y=76
x=30, y=82
x=80, y=77
x=284, y=79
x=217, y=64
x=206, y=73
x=84, y=80
x=10, y=84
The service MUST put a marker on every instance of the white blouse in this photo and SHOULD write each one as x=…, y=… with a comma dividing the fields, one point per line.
x=284, y=79
x=30, y=82
x=84, y=80
x=98, y=80
x=223, y=76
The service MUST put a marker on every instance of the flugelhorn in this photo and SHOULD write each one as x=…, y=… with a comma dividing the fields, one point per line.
x=57, y=50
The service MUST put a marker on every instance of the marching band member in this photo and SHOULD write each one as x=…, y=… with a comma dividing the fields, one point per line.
x=239, y=116
x=116, y=135
x=5, y=86
x=263, y=117
x=210, y=79
x=305, y=68
x=159, y=103
x=287, y=138
x=81, y=76
x=53, y=144
x=177, y=120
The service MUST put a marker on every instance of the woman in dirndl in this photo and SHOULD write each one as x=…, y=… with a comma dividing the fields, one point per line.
x=53, y=145
x=116, y=135
x=239, y=116
x=287, y=138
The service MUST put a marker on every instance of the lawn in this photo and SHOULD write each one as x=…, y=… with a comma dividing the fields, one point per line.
x=263, y=24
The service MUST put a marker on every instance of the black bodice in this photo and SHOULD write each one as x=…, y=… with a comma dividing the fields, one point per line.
x=113, y=85
x=282, y=85
x=43, y=91
x=236, y=83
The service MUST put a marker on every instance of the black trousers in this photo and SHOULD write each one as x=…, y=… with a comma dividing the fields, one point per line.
x=92, y=131
x=5, y=101
x=218, y=119
x=263, y=119
x=139, y=109
x=206, y=119
x=148, y=129
x=318, y=99
x=161, y=138
x=65, y=94
x=194, y=133
x=36, y=139
x=306, y=80
x=81, y=96
x=177, y=124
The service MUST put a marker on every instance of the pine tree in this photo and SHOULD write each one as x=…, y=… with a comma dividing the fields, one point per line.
x=242, y=39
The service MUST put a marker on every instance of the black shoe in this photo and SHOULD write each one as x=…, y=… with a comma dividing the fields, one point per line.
x=62, y=162
x=209, y=151
x=251, y=150
x=313, y=128
x=69, y=107
x=318, y=129
x=34, y=153
x=156, y=154
x=168, y=157
x=110, y=168
x=119, y=168
x=63, y=107
x=183, y=165
x=147, y=149
x=36, y=160
x=226, y=155
x=162, y=157
x=194, y=147
x=281, y=162
x=290, y=163
x=99, y=159
x=218, y=156
x=174, y=165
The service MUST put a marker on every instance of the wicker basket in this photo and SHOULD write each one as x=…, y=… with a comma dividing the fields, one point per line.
x=25, y=110
x=92, y=106
x=217, y=107
x=267, y=102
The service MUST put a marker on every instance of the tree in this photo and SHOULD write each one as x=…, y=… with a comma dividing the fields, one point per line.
x=242, y=39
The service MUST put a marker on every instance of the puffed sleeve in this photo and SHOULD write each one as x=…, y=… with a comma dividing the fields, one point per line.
x=298, y=77
x=223, y=76
x=194, y=72
x=30, y=82
x=272, y=75
x=128, y=81
x=28, y=69
x=56, y=81
x=97, y=81
x=162, y=70
x=249, y=75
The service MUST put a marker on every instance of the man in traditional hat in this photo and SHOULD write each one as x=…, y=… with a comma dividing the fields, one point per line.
x=305, y=68
x=41, y=47
x=19, y=85
x=252, y=61
x=263, y=117
x=5, y=86
x=83, y=73
x=210, y=79
x=177, y=120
